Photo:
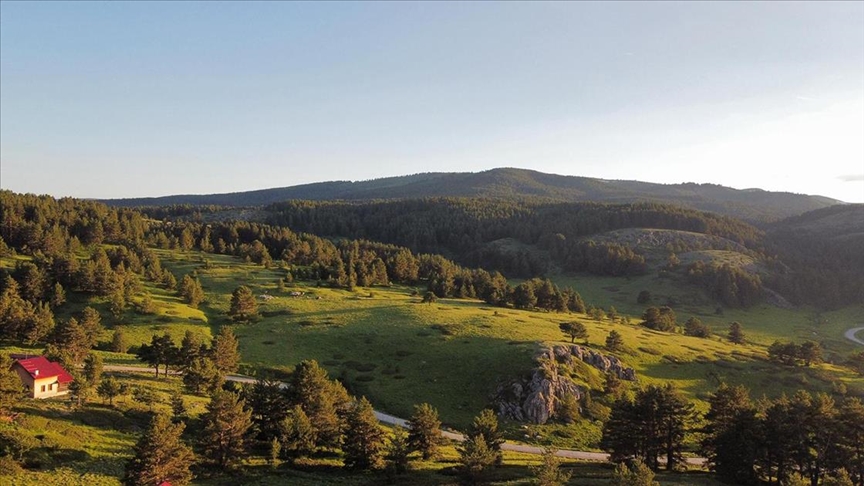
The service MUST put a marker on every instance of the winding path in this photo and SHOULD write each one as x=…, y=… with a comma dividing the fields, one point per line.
x=393, y=420
x=850, y=335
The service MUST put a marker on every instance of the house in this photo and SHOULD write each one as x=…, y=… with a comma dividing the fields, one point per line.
x=42, y=378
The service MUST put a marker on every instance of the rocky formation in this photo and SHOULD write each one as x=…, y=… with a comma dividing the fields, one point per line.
x=607, y=364
x=535, y=399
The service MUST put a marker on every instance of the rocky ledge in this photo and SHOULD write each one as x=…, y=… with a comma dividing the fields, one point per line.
x=535, y=399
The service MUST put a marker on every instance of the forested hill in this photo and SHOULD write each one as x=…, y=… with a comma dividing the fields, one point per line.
x=825, y=252
x=750, y=204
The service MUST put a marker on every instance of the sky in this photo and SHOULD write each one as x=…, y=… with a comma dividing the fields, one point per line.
x=124, y=99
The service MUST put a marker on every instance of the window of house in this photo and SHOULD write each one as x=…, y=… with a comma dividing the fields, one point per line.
x=43, y=388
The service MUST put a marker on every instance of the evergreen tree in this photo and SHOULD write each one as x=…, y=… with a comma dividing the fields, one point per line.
x=110, y=388
x=11, y=389
x=192, y=347
x=243, y=304
x=191, y=291
x=614, y=341
x=736, y=333
x=69, y=343
x=226, y=357
x=202, y=374
x=160, y=351
x=397, y=453
x=549, y=472
x=363, y=447
x=269, y=407
x=296, y=433
x=160, y=455
x=425, y=431
x=311, y=389
x=178, y=406
x=93, y=367
x=119, y=344
x=730, y=440
x=637, y=474
x=574, y=330
x=694, y=327
x=651, y=426
x=486, y=425
x=475, y=458
x=225, y=427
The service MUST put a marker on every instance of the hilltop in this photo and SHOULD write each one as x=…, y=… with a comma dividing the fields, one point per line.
x=508, y=183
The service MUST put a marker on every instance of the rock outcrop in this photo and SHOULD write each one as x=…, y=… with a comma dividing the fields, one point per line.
x=607, y=364
x=536, y=398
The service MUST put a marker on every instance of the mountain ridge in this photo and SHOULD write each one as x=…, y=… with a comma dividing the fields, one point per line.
x=510, y=183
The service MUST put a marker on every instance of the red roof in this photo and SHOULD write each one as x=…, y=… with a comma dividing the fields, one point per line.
x=40, y=367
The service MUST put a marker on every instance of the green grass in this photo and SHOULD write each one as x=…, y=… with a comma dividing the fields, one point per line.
x=384, y=344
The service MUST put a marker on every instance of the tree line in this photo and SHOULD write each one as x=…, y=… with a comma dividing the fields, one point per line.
x=804, y=438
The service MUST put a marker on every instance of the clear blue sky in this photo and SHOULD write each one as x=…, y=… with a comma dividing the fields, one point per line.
x=144, y=99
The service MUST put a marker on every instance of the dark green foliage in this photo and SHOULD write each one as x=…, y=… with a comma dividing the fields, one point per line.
x=732, y=286
x=296, y=433
x=636, y=473
x=225, y=355
x=243, y=304
x=397, y=452
x=476, y=458
x=226, y=425
x=110, y=388
x=792, y=354
x=202, y=374
x=574, y=330
x=549, y=472
x=11, y=388
x=119, y=344
x=161, y=351
x=269, y=406
x=856, y=362
x=736, y=333
x=730, y=435
x=191, y=292
x=160, y=455
x=614, y=341
x=486, y=425
x=320, y=399
x=694, y=327
x=363, y=445
x=425, y=431
x=660, y=319
x=651, y=426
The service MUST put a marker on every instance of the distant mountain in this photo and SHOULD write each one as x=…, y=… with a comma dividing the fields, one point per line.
x=750, y=204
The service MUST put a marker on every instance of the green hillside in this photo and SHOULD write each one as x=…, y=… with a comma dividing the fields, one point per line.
x=509, y=183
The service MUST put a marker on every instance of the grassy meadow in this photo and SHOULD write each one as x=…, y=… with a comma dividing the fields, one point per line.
x=386, y=344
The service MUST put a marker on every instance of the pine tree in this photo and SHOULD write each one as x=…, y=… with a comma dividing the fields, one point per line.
x=202, y=374
x=243, y=304
x=11, y=389
x=160, y=455
x=225, y=426
x=226, y=357
x=425, y=431
x=729, y=441
x=549, y=472
x=475, y=458
x=269, y=407
x=486, y=425
x=637, y=474
x=363, y=446
x=614, y=341
x=110, y=389
x=736, y=333
x=191, y=291
x=315, y=393
x=119, y=344
x=296, y=433
x=397, y=453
